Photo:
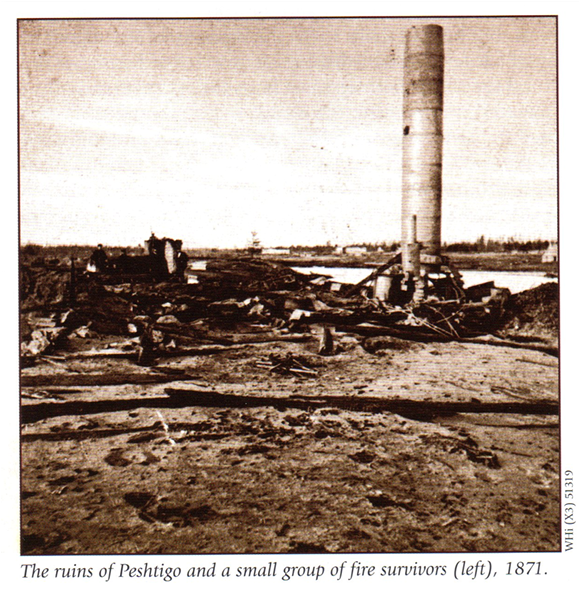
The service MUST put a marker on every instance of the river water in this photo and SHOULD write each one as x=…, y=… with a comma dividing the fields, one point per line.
x=514, y=281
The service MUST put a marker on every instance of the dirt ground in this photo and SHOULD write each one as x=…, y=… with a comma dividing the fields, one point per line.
x=264, y=479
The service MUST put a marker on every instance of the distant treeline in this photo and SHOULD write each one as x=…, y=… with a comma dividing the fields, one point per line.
x=78, y=251
x=480, y=245
x=490, y=245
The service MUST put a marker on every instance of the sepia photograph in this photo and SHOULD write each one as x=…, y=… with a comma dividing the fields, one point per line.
x=289, y=286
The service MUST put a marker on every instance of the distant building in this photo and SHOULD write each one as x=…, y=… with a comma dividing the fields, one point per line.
x=276, y=251
x=356, y=250
x=551, y=254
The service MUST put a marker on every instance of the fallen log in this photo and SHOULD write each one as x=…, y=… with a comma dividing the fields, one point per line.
x=96, y=379
x=342, y=316
x=203, y=349
x=270, y=337
x=248, y=338
x=491, y=340
x=91, y=354
x=186, y=332
x=183, y=398
x=413, y=333
x=364, y=404
x=85, y=433
x=133, y=354
x=416, y=334
x=252, y=340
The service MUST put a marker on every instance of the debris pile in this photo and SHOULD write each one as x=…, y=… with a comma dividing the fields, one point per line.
x=249, y=276
x=533, y=314
x=43, y=287
x=287, y=364
x=248, y=299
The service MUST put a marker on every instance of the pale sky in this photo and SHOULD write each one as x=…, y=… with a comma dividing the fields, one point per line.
x=207, y=130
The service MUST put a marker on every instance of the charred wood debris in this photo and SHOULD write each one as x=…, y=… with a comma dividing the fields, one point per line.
x=236, y=302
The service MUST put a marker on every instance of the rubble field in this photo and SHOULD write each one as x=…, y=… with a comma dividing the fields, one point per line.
x=264, y=411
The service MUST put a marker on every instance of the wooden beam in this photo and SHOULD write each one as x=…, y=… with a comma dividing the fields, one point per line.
x=397, y=258
x=183, y=398
x=96, y=379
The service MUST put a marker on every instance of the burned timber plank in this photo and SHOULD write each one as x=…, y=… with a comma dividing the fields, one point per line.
x=396, y=259
x=492, y=341
x=182, y=398
x=96, y=379
x=417, y=334
x=140, y=434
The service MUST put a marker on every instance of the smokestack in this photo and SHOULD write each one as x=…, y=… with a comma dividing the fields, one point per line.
x=422, y=148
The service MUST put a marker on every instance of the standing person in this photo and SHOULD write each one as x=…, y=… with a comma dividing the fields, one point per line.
x=121, y=263
x=182, y=261
x=99, y=259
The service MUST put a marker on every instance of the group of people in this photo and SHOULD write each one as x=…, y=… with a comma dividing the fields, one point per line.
x=165, y=259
